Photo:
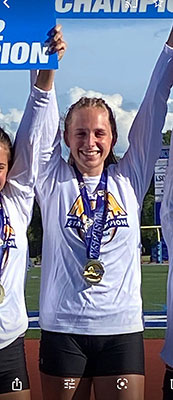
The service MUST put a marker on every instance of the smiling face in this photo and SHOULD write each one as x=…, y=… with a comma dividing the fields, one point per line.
x=89, y=137
x=4, y=158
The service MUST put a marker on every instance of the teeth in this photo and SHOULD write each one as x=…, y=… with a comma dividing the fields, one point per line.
x=90, y=153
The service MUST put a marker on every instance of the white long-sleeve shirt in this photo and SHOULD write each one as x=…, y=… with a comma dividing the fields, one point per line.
x=166, y=214
x=17, y=200
x=67, y=302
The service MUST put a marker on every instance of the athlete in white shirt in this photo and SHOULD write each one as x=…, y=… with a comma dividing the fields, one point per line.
x=16, y=201
x=90, y=300
x=167, y=229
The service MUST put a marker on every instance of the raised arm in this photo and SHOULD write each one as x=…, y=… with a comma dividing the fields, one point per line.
x=50, y=150
x=170, y=39
x=145, y=134
x=24, y=171
x=50, y=130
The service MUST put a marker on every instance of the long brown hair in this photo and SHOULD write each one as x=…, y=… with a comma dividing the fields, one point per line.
x=94, y=102
x=5, y=140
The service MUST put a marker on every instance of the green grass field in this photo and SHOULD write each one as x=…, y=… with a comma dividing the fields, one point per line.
x=154, y=279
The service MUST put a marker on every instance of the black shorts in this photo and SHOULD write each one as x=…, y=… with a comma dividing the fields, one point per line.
x=71, y=355
x=13, y=373
x=168, y=385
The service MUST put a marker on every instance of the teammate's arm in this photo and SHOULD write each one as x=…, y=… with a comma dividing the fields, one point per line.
x=170, y=39
x=145, y=136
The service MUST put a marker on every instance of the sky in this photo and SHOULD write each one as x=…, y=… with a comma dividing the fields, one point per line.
x=112, y=59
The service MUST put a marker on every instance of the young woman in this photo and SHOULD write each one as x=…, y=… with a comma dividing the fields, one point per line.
x=16, y=201
x=90, y=301
x=167, y=229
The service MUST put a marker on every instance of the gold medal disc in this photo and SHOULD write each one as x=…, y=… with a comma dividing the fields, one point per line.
x=2, y=293
x=93, y=272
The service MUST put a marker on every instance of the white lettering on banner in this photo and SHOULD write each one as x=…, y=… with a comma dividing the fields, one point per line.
x=2, y=26
x=38, y=52
x=115, y=6
x=60, y=8
x=122, y=5
x=21, y=52
x=86, y=5
x=102, y=5
x=5, y=53
x=161, y=8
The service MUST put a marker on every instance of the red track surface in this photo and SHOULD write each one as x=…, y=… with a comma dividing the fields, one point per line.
x=154, y=369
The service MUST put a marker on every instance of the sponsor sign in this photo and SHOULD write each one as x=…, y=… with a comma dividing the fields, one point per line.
x=159, y=180
x=159, y=177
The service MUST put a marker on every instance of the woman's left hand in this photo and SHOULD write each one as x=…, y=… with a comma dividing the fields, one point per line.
x=56, y=42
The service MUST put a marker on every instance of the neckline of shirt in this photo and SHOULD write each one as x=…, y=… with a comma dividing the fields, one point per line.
x=91, y=182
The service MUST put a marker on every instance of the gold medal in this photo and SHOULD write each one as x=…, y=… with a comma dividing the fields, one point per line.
x=2, y=294
x=93, y=272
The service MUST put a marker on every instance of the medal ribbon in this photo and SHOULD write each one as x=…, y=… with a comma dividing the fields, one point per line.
x=4, y=235
x=94, y=233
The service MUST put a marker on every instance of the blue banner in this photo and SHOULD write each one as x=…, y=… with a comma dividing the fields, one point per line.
x=24, y=25
x=114, y=9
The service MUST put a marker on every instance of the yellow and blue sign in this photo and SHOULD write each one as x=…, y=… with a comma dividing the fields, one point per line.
x=24, y=26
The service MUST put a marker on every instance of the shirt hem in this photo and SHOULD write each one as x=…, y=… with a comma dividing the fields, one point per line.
x=6, y=343
x=92, y=331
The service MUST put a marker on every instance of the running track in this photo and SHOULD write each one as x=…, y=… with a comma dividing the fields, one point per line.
x=154, y=368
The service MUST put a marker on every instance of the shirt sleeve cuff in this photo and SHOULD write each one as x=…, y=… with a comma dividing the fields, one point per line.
x=168, y=50
x=38, y=93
